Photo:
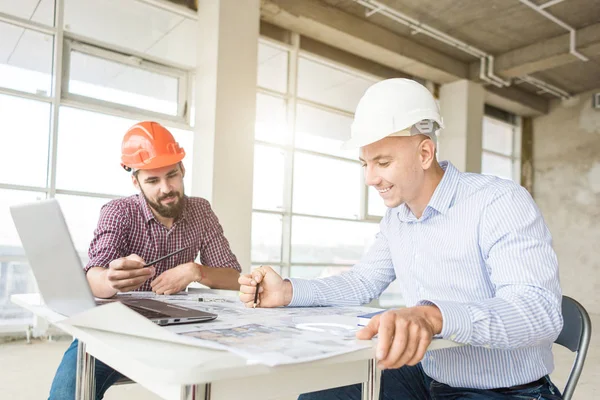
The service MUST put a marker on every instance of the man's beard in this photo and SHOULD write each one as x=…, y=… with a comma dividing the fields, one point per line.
x=172, y=210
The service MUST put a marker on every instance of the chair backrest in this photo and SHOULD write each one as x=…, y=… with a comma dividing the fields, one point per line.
x=575, y=335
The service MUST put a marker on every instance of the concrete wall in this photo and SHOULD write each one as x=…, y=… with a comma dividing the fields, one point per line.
x=566, y=158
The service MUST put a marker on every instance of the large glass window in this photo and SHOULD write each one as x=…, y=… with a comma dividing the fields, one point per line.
x=25, y=137
x=313, y=217
x=15, y=274
x=501, y=148
x=64, y=142
x=326, y=186
x=330, y=84
x=273, y=63
x=325, y=241
x=25, y=59
x=112, y=81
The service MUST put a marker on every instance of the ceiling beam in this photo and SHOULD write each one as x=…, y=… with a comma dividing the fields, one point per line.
x=516, y=100
x=547, y=54
x=332, y=26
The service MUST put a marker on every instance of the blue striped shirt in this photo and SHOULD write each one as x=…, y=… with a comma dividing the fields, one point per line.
x=482, y=253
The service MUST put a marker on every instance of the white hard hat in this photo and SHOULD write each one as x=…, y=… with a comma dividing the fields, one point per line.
x=394, y=107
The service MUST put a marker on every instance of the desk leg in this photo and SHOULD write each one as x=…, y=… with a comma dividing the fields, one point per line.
x=370, y=389
x=85, y=380
x=196, y=392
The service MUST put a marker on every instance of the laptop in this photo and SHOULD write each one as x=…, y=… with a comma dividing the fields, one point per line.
x=59, y=273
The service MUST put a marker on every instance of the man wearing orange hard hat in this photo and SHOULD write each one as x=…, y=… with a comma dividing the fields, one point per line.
x=144, y=227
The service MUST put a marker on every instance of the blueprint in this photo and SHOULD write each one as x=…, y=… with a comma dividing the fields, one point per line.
x=269, y=336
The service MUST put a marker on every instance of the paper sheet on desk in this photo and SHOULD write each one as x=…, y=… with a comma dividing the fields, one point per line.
x=274, y=336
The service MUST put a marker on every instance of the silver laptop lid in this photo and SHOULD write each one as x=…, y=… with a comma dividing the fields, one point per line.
x=53, y=257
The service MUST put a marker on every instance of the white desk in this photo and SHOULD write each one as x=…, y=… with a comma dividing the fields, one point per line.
x=178, y=371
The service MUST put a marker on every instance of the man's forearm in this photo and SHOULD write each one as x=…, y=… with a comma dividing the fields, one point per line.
x=96, y=277
x=220, y=278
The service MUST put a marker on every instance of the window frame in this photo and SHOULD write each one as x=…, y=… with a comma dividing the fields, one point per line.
x=515, y=155
x=289, y=148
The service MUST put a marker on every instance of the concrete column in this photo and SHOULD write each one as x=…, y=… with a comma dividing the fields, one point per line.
x=462, y=104
x=225, y=96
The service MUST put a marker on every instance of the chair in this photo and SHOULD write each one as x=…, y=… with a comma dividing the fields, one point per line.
x=575, y=336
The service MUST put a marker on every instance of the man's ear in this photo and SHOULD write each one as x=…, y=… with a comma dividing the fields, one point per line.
x=427, y=153
x=182, y=169
x=135, y=181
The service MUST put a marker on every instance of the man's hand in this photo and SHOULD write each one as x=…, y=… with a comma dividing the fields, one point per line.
x=128, y=273
x=404, y=334
x=176, y=279
x=273, y=291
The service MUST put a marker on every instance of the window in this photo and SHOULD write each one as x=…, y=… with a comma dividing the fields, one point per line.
x=81, y=214
x=266, y=238
x=325, y=241
x=25, y=138
x=269, y=175
x=104, y=91
x=143, y=87
x=323, y=131
x=272, y=71
x=25, y=60
x=326, y=186
x=15, y=275
x=501, y=147
x=270, y=119
x=310, y=219
x=330, y=85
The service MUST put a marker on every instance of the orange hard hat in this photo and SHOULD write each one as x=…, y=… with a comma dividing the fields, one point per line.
x=149, y=145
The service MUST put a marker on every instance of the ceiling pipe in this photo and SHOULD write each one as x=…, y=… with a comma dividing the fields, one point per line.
x=486, y=68
x=550, y=3
x=545, y=87
x=486, y=61
x=572, y=32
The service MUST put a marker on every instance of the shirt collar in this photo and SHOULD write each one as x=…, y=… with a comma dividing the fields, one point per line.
x=442, y=198
x=148, y=215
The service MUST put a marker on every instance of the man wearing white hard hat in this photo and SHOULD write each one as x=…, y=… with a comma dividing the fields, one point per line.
x=472, y=254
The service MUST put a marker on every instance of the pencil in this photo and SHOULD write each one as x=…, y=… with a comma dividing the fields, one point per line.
x=164, y=257
x=256, y=295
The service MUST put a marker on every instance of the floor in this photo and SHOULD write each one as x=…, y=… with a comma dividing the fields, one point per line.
x=40, y=359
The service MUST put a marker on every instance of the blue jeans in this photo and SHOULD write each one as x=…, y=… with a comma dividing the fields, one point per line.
x=63, y=385
x=411, y=383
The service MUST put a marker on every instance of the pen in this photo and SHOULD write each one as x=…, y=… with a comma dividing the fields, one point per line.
x=163, y=257
x=256, y=295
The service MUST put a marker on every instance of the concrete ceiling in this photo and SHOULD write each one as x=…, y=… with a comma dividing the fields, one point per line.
x=522, y=41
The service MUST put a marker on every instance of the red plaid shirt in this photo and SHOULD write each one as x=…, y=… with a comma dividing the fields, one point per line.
x=127, y=226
